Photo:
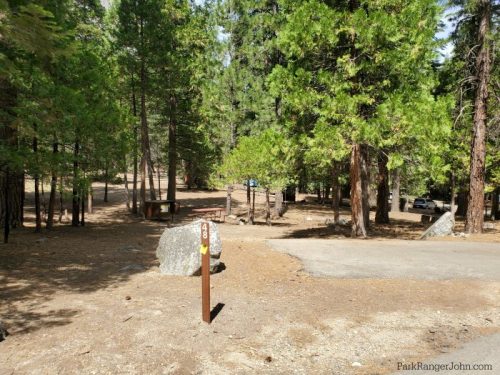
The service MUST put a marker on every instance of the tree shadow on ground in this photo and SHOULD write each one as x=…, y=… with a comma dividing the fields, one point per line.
x=397, y=229
x=35, y=267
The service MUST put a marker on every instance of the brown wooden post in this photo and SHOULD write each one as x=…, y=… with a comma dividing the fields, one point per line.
x=205, y=271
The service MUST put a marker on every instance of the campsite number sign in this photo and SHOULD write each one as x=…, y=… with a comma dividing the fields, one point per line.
x=205, y=271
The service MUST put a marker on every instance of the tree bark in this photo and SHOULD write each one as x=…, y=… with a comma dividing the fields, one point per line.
x=396, y=186
x=11, y=183
x=53, y=190
x=475, y=210
x=143, y=186
x=106, y=177
x=358, y=222
x=172, y=151
x=249, y=204
x=6, y=210
x=252, y=217
x=248, y=192
x=278, y=203
x=188, y=177
x=82, y=222
x=382, y=215
x=159, y=180
x=90, y=199
x=228, y=199
x=365, y=185
x=146, y=150
x=75, y=212
x=452, y=193
x=44, y=203
x=134, y=181
x=268, y=208
x=127, y=190
x=336, y=167
x=61, y=203
x=38, y=216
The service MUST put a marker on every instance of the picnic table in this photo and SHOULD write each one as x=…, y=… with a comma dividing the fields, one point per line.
x=211, y=213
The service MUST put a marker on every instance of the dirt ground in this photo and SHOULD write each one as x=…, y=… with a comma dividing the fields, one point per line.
x=91, y=300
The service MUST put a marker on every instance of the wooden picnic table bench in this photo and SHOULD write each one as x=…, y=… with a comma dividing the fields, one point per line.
x=214, y=213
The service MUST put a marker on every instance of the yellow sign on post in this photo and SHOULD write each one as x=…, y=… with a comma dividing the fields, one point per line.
x=203, y=249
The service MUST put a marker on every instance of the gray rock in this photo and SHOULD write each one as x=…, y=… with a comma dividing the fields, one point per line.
x=179, y=249
x=442, y=227
x=3, y=332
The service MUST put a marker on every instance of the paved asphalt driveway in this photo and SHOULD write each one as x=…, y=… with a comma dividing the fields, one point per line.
x=429, y=260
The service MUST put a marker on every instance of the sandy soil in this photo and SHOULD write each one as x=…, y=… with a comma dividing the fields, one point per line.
x=91, y=300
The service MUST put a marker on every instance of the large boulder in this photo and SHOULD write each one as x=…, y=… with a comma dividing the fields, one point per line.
x=442, y=227
x=179, y=250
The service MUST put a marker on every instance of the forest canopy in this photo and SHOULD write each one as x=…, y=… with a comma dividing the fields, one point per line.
x=348, y=98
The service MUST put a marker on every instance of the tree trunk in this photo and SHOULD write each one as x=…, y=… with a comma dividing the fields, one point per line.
x=143, y=185
x=365, y=185
x=82, y=222
x=53, y=190
x=396, y=186
x=494, y=204
x=452, y=201
x=382, y=215
x=23, y=196
x=75, y=212
x=134, y=182
x=44, y=202
x=172, y=151
x=11, y=183
x=268, y=208
x=228, y=199
x=252, y=218
x=146, y=150
x=90, y=200
x=159, y=180
x=6, y=210
x=106, y=177
x=358, y=224
x=127, y=190
x=278, y=203
x=336, y=191
x=61, y=203
x=475, y=211
x=188, y=178
x=38, y=216
x=249, y=204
